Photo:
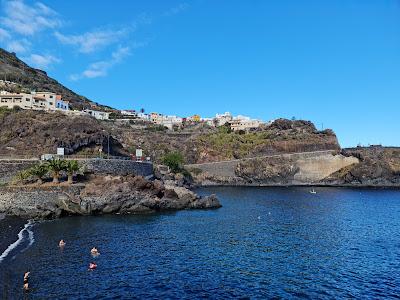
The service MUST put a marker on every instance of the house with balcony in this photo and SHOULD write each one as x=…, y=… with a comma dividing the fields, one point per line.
x=35, y=100
x=11, y=100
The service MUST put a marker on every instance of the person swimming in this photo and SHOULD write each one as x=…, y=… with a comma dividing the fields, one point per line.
x=61, y=243
x=92, y=266
x=26, y=281
x=94, y=251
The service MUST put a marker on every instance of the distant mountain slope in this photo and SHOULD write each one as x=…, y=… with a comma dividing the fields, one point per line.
x=15, y=70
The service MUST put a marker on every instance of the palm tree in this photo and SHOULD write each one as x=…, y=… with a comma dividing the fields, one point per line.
x=56, y=166
x=71, y=166
x=39, y=171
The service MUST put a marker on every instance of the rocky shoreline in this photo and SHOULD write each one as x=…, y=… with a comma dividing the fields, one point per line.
x=101, y=195
x=337, y=185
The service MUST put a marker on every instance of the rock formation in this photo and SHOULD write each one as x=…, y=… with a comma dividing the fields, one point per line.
x=102, y=195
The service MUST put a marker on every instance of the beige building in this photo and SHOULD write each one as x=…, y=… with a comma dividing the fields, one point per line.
x=244, y=124
x=37, y=101
x=11, y=100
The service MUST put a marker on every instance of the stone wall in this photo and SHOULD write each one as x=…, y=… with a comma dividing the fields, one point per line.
x=31, y=201
x=10, y=168
x=118, y=167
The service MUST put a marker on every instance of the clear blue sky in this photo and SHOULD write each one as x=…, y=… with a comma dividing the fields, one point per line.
x=336, y=63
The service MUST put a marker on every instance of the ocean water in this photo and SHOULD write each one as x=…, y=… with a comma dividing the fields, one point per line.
x=263, y=243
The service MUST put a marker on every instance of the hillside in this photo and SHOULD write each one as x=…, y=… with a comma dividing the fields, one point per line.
x=15, y=70
x=35, y=133
x=28, y=133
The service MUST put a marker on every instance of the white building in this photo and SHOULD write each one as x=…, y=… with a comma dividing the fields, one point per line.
x=222, y=119
x=168, y=121
x=61, y=104
x=208, y=121
x=100, y=115
x=143, y=116
x=130, y=113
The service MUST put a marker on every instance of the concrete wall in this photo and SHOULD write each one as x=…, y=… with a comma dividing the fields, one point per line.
x=313, y=166
x=316, y=168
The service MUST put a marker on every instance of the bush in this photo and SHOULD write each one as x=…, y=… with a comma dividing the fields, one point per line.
x=225, y=129
x=38, y=171
x=21, y=177
x=174, y=160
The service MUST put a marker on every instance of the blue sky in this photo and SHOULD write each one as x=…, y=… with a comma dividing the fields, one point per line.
x=336, y=63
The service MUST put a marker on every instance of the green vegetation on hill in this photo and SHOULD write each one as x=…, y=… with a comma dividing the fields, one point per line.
x=281, y=136
x=231, y=145
x=174, y=160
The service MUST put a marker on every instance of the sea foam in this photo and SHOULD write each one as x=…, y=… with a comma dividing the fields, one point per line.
x=20, y=239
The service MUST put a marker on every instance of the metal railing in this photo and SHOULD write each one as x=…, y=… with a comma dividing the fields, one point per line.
x=19, y=157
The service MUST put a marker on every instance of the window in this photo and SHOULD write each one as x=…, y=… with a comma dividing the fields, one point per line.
x=27, y=99
x=50, y=103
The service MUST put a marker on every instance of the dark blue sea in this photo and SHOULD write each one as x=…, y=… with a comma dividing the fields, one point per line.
x=281, y=243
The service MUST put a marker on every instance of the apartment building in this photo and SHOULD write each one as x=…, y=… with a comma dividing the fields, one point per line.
x=36, y=101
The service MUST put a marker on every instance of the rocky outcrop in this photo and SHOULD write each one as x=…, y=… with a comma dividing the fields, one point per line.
x=378, y=166
x=102, y=195
x=32, y=133
x=285, y=169
x=274, y=170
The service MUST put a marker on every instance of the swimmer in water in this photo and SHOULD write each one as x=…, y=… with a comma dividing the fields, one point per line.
x=26, y=281
x=92, y=266
x=94, y=251
x=61, y=244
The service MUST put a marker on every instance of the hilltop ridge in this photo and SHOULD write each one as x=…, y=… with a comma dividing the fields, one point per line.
x=15, y=70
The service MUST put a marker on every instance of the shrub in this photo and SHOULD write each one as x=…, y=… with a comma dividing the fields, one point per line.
x=21, y=176
x=174, y=160
x=38, y=171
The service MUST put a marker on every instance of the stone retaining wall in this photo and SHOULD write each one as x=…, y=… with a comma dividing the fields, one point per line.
x=10, y=168
x=24, y=201
x=118, y=167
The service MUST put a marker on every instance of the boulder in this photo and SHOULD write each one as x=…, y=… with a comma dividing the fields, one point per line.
x=206, y=202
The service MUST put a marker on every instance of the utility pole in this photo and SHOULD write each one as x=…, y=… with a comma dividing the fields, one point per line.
x=108, y=146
